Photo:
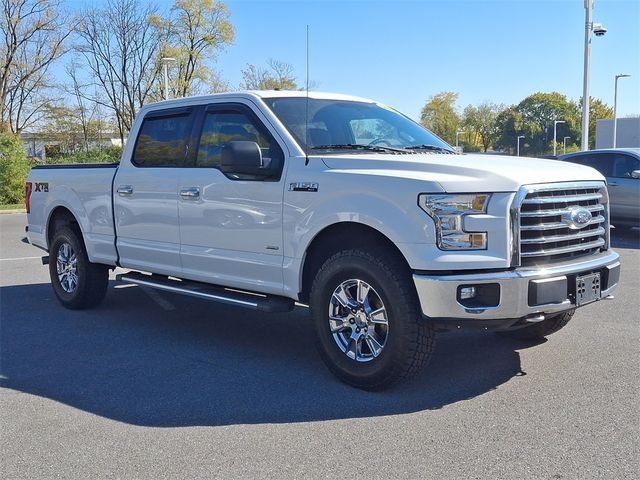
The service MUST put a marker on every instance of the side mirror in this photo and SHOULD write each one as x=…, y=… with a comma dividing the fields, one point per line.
x=635, y=174
x=243, y=157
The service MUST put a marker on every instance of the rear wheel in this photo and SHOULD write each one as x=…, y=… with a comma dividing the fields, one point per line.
x=76, y=281
x=368, y=320
x=541, y=329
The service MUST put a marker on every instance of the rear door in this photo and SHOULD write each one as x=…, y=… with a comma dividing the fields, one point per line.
x=231, y=225
x=146, y=192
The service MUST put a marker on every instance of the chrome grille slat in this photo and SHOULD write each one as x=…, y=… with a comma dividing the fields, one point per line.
x=563, y=238
x=558, y=211
x=561, y=199
x=547, y=232
x=556, y=225
x=573, y=248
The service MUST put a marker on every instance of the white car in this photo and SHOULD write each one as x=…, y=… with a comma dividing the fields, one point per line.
x=264, y=199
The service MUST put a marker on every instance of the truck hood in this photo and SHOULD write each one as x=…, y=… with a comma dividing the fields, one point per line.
x=465, y=173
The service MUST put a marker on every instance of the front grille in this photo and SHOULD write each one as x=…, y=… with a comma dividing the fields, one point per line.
x=545, y=226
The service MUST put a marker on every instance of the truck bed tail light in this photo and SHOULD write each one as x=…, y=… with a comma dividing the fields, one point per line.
x=27, y=196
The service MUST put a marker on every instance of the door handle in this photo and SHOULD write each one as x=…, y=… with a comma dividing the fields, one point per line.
x=612, y=184
x=191, y=193
x=125, y=190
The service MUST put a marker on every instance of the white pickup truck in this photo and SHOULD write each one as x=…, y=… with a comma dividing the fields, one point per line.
x=264, y=199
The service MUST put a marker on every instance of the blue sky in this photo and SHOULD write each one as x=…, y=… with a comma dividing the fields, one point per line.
x=401, y=52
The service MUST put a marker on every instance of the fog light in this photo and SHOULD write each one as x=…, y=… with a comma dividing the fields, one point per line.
x=482, y=295
x=467, y=292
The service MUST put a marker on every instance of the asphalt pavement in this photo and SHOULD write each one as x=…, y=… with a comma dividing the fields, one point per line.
x=152, y=385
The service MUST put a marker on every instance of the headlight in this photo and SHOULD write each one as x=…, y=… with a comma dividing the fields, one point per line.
x=448, y=213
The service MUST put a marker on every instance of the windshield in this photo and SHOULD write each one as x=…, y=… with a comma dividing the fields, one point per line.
x=356, y=126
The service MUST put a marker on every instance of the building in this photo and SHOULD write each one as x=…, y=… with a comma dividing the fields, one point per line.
x=37, y=144
x=628, y=133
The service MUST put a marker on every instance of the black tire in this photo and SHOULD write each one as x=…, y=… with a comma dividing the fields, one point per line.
x=409, y=340
x=543, y=329
x=92, y=278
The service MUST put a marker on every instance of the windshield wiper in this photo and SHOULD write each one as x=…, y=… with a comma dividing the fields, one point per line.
x=360, y=146
x=430, y=147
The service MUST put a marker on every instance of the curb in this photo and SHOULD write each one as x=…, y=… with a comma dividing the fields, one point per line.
x=15, y=210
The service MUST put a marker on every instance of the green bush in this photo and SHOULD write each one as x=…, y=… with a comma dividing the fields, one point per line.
x=14, y=168
x=107, y=155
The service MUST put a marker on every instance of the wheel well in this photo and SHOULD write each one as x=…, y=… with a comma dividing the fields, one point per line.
x=343, y=236
x=61, y=217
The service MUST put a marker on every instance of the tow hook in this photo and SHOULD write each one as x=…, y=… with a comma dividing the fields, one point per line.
x=534, y=319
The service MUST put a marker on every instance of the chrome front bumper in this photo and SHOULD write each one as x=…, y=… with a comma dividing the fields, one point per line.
x=438, y=294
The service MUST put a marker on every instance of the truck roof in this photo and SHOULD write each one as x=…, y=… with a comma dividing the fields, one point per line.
x=254, y=94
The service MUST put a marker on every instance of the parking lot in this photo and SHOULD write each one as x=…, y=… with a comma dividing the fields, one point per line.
x=150, y=384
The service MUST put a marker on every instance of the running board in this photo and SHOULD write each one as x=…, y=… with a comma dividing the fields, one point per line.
x=262, y=303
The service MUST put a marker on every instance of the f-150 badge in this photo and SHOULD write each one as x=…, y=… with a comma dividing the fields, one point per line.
x=303, y=187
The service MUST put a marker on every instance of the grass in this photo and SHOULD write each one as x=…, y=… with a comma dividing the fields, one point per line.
x=11, y=206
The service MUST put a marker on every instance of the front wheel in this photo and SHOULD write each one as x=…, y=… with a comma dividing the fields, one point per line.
x=76, y=281
x=368, y=321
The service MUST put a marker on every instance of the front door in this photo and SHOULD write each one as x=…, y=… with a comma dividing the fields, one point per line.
x=231, y=225
x=624, y=190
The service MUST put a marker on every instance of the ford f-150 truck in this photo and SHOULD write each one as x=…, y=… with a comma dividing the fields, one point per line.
x=265, y=199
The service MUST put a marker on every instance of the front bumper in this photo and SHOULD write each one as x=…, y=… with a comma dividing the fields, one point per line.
x=523, y=293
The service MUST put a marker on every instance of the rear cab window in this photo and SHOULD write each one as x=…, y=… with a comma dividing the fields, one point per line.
x=164, y=139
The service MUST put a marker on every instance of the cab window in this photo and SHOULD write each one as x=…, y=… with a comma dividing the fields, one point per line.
x=223, y=125
x=163, y=139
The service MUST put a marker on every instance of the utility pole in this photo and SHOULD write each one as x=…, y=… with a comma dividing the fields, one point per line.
x=555, y=124
x=615, y=107
x=588, y=26
x=518, y=146
x=165, y=64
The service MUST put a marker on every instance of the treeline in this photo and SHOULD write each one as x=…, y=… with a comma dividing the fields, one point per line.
x=112, y=55
x=495, y=126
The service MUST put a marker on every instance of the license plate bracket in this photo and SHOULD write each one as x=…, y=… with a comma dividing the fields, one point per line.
x=588, y=288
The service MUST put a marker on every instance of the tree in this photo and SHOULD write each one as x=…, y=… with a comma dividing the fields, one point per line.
x=597, y=110
x=33, y=37
x=121, y=45
x=539, y=111
x=509, y=125
x=440, y=116
x=481, y=120
x=279, y=76
x=193, y=34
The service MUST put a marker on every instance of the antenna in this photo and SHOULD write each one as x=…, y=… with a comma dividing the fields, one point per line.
x=306, y=113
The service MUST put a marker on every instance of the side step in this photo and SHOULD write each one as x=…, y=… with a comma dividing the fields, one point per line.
x=262, y=303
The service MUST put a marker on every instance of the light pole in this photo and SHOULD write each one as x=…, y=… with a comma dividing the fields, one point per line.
x=615, y=107
x=564, y=145
x=599, y=30
x=518, y=147
x=457, y=135
x=555, y=124
x=165, y=63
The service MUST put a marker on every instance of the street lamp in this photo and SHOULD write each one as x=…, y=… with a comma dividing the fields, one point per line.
x=165, y=63
x=555, y=124
x=518, y=147
x=599, y=30
x=457, y=135
x=564, y=145
x=615, y=106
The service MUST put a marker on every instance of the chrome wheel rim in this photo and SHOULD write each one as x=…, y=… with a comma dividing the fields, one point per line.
x=67, y=267
x=358, y=320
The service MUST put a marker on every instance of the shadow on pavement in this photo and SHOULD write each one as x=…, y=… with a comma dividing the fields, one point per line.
x=627, y=238
x=206, y=364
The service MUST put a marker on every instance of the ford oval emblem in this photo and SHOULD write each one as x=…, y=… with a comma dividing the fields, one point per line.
x=577, y=217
